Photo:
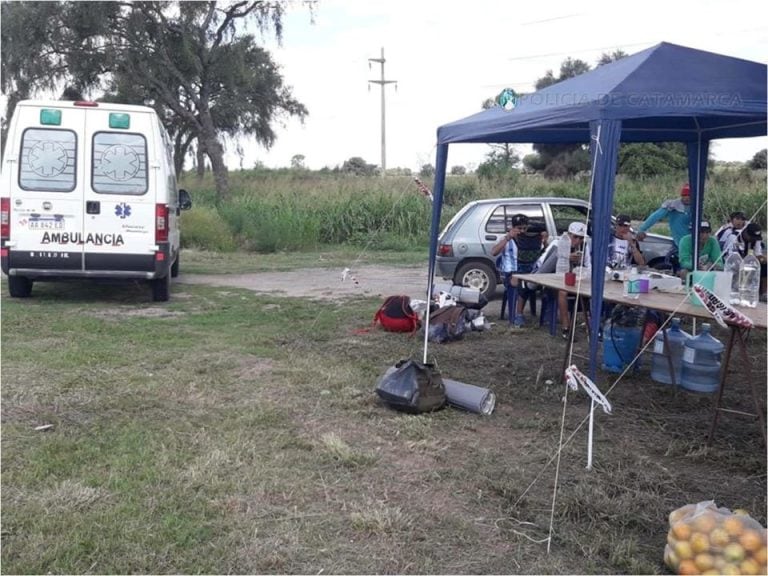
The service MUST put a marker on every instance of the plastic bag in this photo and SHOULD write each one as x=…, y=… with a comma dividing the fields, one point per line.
x=413, y=387
x=705, y=539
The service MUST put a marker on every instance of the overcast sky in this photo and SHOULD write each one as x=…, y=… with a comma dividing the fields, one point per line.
x=448, y=56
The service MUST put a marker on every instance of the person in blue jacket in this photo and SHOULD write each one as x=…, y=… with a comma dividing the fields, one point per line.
x=678, y=214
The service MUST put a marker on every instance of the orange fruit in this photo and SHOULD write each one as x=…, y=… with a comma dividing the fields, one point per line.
x=681, y=530
x=749, y=566
x=731, y=570
x=699, y=542
x=687, y=568
x=733, y=525
x=683, y=550
x=751, y=540
x=719, y=537
x=705, y=522
x=761, y=556
x=733, y=552
x=704, y=561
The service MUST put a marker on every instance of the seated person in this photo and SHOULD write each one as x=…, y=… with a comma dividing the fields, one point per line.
x=752, y=239
x=710, y=256
x=572, y=250
x=727, y=232
x=623, y=249
x=530, y=246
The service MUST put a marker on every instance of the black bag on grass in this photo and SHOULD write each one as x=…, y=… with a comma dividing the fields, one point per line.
x=447, y=324
x=412, y=387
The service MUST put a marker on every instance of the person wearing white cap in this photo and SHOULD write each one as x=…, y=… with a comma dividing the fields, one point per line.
x=710, y=255
x=573, y=249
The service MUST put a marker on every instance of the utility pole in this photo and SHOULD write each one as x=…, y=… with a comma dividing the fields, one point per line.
x=382, y=83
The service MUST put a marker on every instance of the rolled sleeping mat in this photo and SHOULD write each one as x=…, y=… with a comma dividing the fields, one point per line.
x=460, y=293
x=469, y=397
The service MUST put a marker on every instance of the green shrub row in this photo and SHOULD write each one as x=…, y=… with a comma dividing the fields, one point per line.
x=285, y=210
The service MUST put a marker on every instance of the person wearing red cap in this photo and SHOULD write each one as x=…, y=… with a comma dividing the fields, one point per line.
x=677, y=212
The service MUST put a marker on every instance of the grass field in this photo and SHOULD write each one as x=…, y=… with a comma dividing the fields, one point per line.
x=278, y=210
x=230, y=432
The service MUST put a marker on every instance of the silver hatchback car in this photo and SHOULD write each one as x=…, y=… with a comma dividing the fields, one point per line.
x=464, y=246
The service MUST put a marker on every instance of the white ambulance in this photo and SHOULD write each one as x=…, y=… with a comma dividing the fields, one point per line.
x=88, y=190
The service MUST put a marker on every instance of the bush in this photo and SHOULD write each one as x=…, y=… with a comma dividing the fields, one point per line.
x=204, y=228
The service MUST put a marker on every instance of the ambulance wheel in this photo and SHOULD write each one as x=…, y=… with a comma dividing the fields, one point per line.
x=19, y=286
x=175, y=266
x=161, y=288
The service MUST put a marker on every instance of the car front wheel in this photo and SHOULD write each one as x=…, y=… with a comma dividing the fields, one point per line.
x=478, y=276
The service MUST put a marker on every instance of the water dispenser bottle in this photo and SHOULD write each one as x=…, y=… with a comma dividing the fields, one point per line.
x=701, y=362
x=733, y=265
x=676, y=339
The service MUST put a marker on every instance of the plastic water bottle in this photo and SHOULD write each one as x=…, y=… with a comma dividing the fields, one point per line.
x=676, y=339
x=628, y=279
x=733, y=265
x=749, y=281
x=701, y=362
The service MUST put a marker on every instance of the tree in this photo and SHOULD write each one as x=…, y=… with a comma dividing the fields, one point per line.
x=358, y=167
x=427, y=171
x=501, y=159
x=191, y=61
x=561, y=160
x=458, y=170
x=758, y=161
x=297, y=162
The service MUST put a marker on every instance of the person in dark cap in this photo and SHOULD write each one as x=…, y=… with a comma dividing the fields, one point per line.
x=623, y=249
x=710, y=255
x=677, y=212
x=736, y=222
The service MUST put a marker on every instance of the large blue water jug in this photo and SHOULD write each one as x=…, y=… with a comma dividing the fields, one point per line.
x=676, y=338
x=620, y=344
x=701, y=362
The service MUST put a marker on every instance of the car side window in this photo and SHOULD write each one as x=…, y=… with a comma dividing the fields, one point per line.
x=500, y=217
x=564, y=214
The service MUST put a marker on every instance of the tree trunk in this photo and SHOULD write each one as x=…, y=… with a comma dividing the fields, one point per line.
x=200, y=160
x=215, y=154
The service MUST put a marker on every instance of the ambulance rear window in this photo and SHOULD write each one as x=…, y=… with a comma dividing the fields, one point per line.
x=48, y=160
x=119, y=163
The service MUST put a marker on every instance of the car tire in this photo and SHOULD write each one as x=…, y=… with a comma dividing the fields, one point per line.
x=477, y=275
x=175, y=265
x=19, y=286
x=161, y=288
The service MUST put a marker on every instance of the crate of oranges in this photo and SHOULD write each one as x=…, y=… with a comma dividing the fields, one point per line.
x=705, y=539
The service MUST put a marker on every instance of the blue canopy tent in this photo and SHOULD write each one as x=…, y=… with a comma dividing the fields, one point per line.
x=667, y=93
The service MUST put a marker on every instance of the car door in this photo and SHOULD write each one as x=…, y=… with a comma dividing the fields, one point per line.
x=119, y=202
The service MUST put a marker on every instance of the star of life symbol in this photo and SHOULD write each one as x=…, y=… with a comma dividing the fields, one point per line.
x=47, y=159
x=119, y=162
x=122, y=210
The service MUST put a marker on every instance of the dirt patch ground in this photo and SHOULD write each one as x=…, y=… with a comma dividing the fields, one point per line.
x=326, y=284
